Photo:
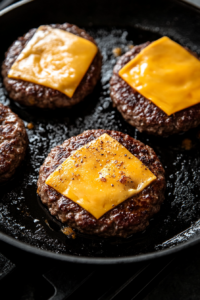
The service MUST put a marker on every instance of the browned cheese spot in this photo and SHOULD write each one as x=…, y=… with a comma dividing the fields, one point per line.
x=124, y=179
x=103, y=179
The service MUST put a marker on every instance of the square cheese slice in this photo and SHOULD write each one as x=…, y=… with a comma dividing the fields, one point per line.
x=165, y=73
x=100, y=175
x=54, y=58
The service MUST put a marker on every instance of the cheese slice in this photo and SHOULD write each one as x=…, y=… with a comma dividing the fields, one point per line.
x=100, y=175
x=54, y=58
x=165, y=73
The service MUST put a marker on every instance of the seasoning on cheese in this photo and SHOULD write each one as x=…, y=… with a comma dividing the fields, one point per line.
x=165, y=73
x=54, y=58
x=100, y=175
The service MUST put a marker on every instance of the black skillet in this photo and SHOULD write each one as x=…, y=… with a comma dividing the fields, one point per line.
x=24, y=223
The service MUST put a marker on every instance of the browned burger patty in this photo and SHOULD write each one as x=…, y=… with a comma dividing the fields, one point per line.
x=13, y=143
x=32, y=94
x=130, y=216
x=141, y=112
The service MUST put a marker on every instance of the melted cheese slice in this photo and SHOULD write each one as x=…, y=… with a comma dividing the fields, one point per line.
x=165, y=73
x=100, y=175
x=54, y=58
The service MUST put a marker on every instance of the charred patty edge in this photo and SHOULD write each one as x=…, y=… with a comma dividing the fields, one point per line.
x=14, y=141
x=141, y=112
x=130, y=216
x=31, y=94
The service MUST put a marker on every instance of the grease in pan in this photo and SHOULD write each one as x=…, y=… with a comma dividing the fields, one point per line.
x=170, y=221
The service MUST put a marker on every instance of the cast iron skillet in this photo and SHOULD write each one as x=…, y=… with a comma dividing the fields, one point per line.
x=24, y=222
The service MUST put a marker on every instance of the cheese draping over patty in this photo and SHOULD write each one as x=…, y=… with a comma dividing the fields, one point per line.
x=166, y=74
x=54, y=58
x=100, y=175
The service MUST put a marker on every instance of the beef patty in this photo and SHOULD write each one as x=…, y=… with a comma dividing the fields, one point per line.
x=141, y=112
x=13, y=144
x=130, y=216
x=32, y=94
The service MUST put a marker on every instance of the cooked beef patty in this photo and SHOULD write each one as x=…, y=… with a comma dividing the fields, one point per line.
x=130, y=216
x=13, y=143
x=141, y=112
x=32, y=94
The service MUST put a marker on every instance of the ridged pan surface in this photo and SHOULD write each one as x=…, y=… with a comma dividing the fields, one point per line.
x=21, y=214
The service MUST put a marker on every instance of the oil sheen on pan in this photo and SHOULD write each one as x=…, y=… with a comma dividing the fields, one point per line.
x=21, y=214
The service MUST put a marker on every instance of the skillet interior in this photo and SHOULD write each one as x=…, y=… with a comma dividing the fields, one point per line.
x=112, y=24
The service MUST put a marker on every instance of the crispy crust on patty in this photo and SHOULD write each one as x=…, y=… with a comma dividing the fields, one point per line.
x=32, y=94
x=141, y=112
x=13, y=144
x=129, y=217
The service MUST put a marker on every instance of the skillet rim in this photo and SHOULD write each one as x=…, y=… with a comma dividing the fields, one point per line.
x=92, y=260
x=95, y=260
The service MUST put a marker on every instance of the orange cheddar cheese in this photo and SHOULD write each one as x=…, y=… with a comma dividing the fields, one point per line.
x=165, y=73
x=100, y=175
x=54, y=58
